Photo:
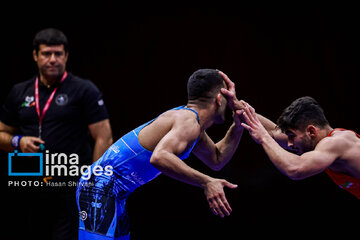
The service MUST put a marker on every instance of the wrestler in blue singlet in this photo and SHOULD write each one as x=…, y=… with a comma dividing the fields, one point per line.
x=102, y=199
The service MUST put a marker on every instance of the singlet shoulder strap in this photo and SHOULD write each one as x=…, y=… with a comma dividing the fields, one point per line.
x=197, y=115
x=342, y=129
x=331, y=132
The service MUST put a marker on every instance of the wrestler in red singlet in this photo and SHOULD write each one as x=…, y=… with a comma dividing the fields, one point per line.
x=347, y=182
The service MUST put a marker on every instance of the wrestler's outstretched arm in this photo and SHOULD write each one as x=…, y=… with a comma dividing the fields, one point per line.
x=294, y=166
x=183, y=133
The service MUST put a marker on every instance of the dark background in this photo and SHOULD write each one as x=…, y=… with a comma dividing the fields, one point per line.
x=140, y=56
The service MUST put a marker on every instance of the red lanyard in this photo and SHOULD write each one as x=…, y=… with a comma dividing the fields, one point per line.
x=47, y=105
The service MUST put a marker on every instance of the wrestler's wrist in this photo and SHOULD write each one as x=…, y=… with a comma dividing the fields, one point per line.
x=265, y=138
x=206, y=181
x=238, y=105
x=237, y=127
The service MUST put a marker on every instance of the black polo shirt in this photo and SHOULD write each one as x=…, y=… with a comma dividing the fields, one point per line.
x=76, y=104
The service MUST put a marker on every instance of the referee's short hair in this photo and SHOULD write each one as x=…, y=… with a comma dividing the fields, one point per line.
x=50, y=37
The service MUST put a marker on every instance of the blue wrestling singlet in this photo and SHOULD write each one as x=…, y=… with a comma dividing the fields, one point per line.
x=102, y=199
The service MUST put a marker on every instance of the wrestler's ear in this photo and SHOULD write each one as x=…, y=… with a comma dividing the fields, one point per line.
x=311, y=130
x=218, y=99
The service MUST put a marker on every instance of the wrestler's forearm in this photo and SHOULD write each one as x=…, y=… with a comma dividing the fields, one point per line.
x=172, y=166
x=286, y=162
x=275, y=132
x=227, y=146
x=269, y=125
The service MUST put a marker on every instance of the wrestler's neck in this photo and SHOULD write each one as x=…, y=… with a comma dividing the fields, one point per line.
x=324, y=132
x=206, y=113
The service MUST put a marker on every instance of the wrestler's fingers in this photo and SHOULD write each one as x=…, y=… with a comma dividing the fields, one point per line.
x=230, y=84
x=213, y=206
x=226, y=204
x=227, y=92
x=247, y=127
x=222, y=208
x=248, y=117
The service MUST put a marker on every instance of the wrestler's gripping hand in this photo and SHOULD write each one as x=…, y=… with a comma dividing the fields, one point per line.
x=253, y=124
x=230, y=94
x=214, y=191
